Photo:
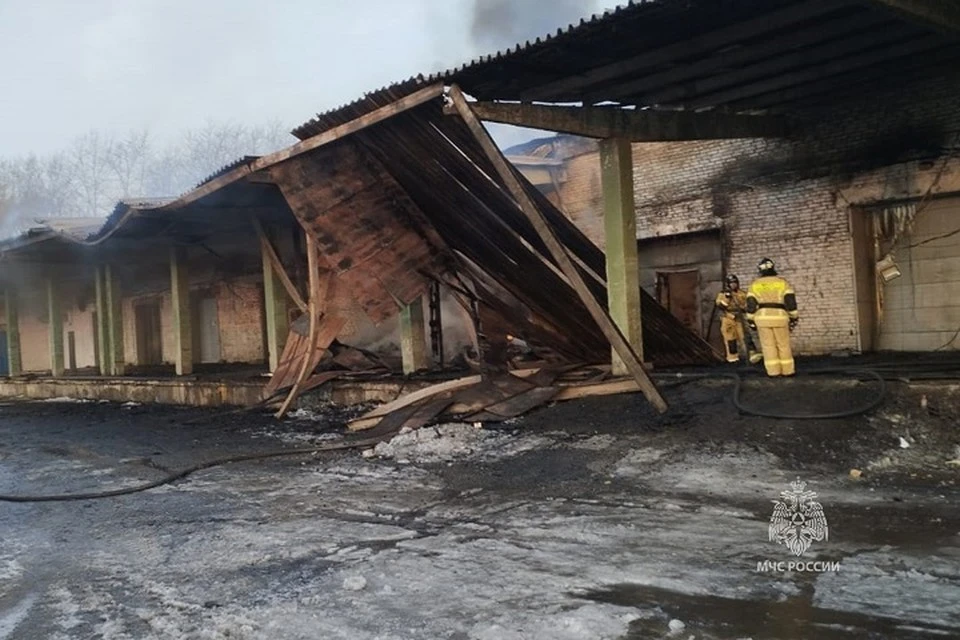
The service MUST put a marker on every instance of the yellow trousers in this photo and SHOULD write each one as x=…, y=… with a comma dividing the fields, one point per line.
x=777, y=354
x=732, y=331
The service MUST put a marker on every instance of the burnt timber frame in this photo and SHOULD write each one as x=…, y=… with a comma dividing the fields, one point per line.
x=606, y=324
x=636, y=125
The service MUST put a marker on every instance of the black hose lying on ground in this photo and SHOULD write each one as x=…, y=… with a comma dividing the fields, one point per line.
x=875, y=402
x=183, y=473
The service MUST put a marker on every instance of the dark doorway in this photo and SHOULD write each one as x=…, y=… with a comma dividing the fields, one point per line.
x=71, y=351
x=679, y=293
x=96, y=340
x=4, y=362
x=149, y=335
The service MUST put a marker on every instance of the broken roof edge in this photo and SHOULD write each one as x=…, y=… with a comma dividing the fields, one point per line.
x=370, y=117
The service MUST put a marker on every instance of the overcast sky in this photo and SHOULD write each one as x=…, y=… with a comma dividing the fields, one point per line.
x=114, y=65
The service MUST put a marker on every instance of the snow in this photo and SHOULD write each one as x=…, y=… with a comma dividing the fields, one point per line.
x=454, y=441
x=355, y=583
x=66, y=399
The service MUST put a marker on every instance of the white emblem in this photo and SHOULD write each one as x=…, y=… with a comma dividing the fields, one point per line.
x=797, y=519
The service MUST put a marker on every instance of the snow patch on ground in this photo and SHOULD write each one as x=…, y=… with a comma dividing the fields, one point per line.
x=637, y=462
x=65, y=399
x=455, y=441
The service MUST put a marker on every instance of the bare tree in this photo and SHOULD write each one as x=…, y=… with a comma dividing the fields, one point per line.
x=96, y=171
x=88, y=155
x=129, y=160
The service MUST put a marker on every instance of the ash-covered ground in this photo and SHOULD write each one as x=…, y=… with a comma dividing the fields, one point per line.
x=587, y=519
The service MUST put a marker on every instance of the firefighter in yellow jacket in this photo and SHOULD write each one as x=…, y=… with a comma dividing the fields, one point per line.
x=732, y=302
x=772, y=309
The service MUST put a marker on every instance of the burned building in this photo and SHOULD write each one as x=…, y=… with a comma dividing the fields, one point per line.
x=864, y=171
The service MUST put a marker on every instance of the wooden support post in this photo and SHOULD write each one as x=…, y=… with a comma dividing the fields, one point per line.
x=275, y=300
x=114, y=320
x=413, y=340
x=559, y=253
x=182, y=324
x=103, y=333
x=620, y=228
x=55, y=328
x=275, y=310
x=315, y=305
x=14, y=359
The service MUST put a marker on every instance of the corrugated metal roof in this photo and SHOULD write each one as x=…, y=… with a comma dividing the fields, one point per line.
x=743, y=55
x=360, y=107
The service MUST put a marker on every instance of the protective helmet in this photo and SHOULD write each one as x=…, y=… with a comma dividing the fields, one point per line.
x=732, y=279
x=766, y=267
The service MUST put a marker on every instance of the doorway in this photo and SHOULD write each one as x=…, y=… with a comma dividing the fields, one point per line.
x=679, y=293
x=149, y=334
x=206, y=323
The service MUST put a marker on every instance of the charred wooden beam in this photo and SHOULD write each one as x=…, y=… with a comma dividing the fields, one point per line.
x=632, y=124
x=736, y=57
x=940, y=14
x=776, y=68
x=801, y=77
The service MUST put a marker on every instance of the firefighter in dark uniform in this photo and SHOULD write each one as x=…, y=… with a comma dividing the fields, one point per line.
x=732, y=302
x=772, y=309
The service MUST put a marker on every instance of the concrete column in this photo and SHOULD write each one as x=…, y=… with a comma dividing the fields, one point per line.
x=182, y=327
x=620, y=227
x=275, y=308
x=55, y=328
x=11, y=305
x=413, y=341
x=114, y=320
x=103, y=333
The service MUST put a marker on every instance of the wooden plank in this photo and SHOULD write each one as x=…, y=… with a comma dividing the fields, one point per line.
x=428, y=411
x=515, y=406
x=267, y=247
x=611, y=387
x=379, y=115
x=411, y=398
x=330, y=325
x=559, y=253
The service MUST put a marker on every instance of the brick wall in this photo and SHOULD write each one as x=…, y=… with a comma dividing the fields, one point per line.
x=791, y=200
x=239, y=316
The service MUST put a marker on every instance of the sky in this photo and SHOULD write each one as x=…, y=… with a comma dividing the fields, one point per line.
x=74, y=66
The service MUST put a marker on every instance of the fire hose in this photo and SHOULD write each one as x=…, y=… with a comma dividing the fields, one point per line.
x=183, y=473
x=737, y=379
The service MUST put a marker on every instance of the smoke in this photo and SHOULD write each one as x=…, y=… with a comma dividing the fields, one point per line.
x=497, y=24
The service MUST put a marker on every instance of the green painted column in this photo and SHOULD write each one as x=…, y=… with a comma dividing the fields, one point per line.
x=103, y=333
x=275, y=302
x=182, y=329
x=11, y=305
x=413, y=339
x=55, y=328
x=620, y=228
x=114, y=308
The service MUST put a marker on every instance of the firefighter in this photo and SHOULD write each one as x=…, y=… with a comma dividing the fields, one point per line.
x=772, y=311
x=732, y=302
